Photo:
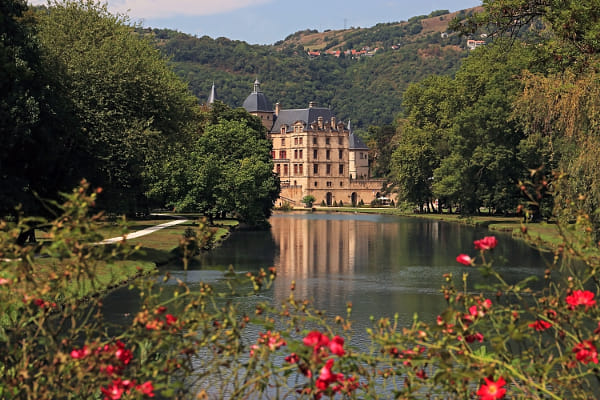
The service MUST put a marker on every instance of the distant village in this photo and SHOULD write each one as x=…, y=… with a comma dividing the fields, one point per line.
x=367, y=51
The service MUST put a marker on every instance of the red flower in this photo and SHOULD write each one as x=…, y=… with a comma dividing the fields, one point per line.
x=170, y=319
x=160, y=310
x=114, y=391
x=476, y=336
x=292, y=358
x=487, y=243
x=492, y=389
x=581, y=297
x=336, y=345
x=327, y=376
x=586, y=352
x=464, y=259
x=540, y=325
x=146, y=388
x=316, y=340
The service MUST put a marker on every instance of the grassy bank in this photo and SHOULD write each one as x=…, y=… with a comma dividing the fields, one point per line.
x=155, y=249
x=539, y=234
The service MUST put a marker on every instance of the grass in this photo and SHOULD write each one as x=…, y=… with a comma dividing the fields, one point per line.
x=155, y=249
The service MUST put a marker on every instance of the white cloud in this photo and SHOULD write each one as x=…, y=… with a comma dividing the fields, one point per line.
x=172, y=8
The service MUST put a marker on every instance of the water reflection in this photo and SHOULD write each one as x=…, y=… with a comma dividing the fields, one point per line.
x=382, y=264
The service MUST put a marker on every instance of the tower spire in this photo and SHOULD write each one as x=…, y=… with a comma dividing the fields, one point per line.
x=213, y=95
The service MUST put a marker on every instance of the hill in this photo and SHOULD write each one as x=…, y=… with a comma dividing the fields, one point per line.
x=360, y=73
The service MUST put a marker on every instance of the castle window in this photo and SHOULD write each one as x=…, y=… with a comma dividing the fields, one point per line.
x=283, y=129
x=300, y=140
x=282, y=154
x=315, y=154
x=300, y=153
x=272, y=153
x=283, y=141
x=341, y=183
x=326, y=140
x=295, y=169
x=341, y=169
x=328, y=155
x=340, y=154
x=295, y=140
x=301, y=169
x=315, y=140
x=329, y=184
x=341, y=140
x=278, y=169
x=295, y=153
x=315, y=169
x=316, y=184
x=285, y=170
x=328, y=169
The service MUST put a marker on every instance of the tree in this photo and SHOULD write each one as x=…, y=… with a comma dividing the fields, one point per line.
x=35, y=117
x=129, y=102
x=226, y=168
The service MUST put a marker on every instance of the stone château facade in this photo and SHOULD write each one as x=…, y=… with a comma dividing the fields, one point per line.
x=315, y=154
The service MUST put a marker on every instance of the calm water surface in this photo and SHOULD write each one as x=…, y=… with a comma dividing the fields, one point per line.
x=382, y=264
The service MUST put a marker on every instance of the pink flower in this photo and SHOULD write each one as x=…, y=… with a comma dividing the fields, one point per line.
x=464, y=259
x=487, y=243
x=580, y=297
x=492, y=390
x=80, y=353
x=336, y=345
x=4, y=281
x=586, y=352
x=540, y=325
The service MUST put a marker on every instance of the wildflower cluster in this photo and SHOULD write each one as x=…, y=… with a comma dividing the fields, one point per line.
x=111, y=360
x=321, y=350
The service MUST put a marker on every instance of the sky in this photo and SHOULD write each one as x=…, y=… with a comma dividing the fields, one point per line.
x=267, y=21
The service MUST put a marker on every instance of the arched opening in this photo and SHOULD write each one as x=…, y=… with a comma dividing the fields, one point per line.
x=329, y=199
x=354, y=199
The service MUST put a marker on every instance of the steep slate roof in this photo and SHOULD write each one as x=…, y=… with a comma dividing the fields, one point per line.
x=306, y=115
x=356, y=143
x=257, y=101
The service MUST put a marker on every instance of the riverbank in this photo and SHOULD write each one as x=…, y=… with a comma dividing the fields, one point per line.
x=153, y=250
x=543, y=235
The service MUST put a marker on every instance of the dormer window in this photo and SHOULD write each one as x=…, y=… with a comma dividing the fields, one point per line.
x=283, y=129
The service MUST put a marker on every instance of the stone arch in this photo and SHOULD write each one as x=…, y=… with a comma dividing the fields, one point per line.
x=329, y=199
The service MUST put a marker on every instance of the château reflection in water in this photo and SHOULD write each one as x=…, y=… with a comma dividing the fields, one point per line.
x=382, y=264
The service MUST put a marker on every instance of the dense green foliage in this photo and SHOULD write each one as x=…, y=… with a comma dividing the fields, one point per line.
x=224, y=169
x=367, y=90
x=527, y=102
x=35, y=123
x=128, y=102
x=83, y=96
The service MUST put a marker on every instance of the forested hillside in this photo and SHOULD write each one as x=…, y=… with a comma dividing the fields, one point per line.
x=366, y=88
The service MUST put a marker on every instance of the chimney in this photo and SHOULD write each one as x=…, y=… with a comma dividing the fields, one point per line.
x=277, y=108
x=320, y=119
x=312, y=104
x=333, y=123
